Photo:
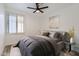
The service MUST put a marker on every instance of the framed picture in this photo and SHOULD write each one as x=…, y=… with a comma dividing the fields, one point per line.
x=54, y=22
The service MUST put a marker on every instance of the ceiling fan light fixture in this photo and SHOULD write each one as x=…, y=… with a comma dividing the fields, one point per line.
x=37, y=11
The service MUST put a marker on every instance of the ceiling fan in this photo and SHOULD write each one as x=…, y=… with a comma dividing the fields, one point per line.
x=38, y=9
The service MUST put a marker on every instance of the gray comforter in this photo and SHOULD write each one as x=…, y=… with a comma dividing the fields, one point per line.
x=38, y=46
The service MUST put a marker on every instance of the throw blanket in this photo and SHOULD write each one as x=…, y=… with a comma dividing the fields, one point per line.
x=38, y=46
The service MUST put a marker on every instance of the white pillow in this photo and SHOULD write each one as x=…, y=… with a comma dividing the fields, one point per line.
x=15, y=51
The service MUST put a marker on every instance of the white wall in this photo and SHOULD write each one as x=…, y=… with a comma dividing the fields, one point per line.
x=68, y=17
x=1, y=28
x=32, y=24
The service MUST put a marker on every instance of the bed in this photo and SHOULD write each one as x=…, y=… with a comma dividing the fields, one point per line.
x=39, y=46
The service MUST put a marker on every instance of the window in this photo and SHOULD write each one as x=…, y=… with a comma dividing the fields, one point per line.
x=15, y=24
x=12, y=24
x=20, y=23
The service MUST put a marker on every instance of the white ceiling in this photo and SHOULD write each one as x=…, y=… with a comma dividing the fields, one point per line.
x=23, y=6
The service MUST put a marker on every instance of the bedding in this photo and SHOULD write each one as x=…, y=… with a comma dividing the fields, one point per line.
x=43, y=45
x=62, y=39
x=38, y=46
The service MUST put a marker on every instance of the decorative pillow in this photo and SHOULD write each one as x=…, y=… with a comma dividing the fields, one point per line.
x=67, y=37
x=46, y=34
x=52, y=34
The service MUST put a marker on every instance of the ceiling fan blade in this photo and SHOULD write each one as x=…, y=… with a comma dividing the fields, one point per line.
x=43, y=7
x=41, y=11
x=31, y=8
x=34, y=11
